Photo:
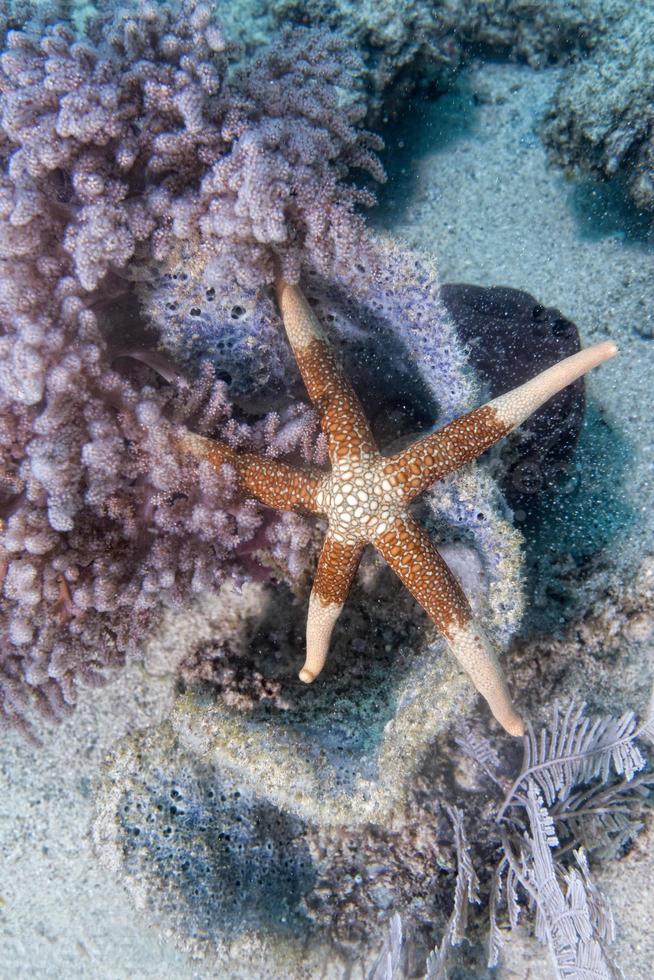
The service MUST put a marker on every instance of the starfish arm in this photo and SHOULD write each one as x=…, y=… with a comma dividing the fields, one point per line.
x=343, y=420
x=269, y=481
x=337, y=567
x=429, y=459
x=412, y=556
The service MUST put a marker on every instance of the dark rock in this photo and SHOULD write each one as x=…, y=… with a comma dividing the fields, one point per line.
x=512, y=337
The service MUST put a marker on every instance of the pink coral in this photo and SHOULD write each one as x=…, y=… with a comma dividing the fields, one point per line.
x=115, y=145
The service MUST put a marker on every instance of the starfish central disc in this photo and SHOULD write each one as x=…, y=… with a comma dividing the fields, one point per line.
x=359, y=500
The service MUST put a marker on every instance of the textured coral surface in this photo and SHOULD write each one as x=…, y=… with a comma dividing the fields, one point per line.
x=420, y=46
x=600, y=120
x=117, y=146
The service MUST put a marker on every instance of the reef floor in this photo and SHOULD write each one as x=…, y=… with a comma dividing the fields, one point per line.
x=470, y=183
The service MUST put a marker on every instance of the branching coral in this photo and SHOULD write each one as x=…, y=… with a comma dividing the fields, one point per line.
x=108, y=523
x=139, y=136
x=295, y=138
x=113, y=145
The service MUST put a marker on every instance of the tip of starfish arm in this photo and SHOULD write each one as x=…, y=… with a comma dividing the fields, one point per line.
x=307, y=676
x=514, y=726
x=611, y=348
x=191, y=443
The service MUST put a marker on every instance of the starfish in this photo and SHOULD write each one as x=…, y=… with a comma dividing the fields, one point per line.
x=366, y=495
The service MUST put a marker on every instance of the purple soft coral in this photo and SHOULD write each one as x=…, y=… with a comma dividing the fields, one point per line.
x=110, y=142
x=138, y=136
x=106, y=524
x=281, y=190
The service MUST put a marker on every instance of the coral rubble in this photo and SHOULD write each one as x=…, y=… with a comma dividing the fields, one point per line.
x=409, y=46
x=600, y=120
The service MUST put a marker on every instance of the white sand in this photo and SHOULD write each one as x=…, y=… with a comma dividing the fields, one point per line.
x=61, y=914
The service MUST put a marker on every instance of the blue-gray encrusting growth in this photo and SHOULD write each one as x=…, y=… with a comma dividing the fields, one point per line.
x=218, y=860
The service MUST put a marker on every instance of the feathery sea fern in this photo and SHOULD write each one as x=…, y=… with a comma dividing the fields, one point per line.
x=575, y=750
x=571, y=916
x=466, y=891
x=580, y=791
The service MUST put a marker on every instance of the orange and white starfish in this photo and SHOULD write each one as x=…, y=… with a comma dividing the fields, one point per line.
x=365, y=496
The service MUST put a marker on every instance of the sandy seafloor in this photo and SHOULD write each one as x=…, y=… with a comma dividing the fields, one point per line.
x=471, y=184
